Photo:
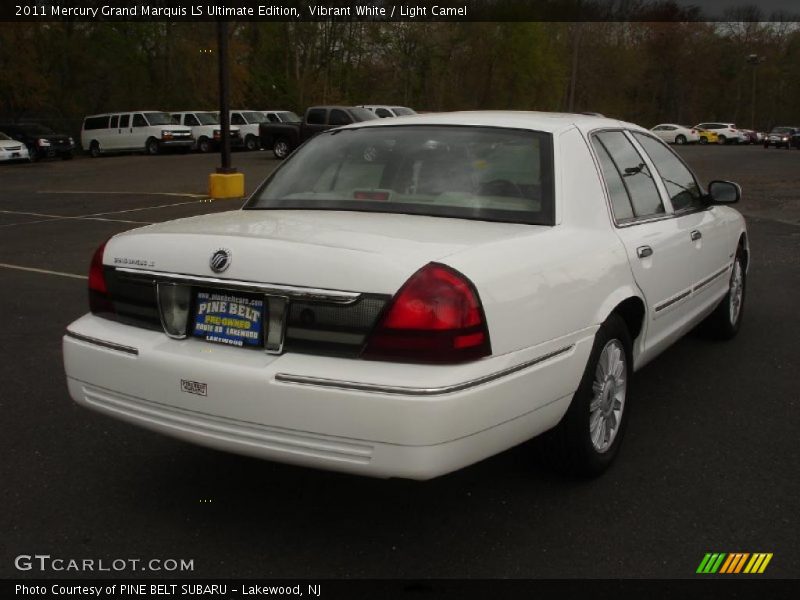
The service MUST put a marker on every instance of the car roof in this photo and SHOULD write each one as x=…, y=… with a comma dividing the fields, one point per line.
x=548, y=122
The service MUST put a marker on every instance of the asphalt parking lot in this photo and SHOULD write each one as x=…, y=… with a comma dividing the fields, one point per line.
x=709, y=464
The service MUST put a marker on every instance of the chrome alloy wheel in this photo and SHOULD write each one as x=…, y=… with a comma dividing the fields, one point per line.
x=735, y=293
x=608, y=400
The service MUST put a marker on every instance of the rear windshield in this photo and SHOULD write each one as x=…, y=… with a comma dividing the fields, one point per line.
x=159, y=118
x=484, y=173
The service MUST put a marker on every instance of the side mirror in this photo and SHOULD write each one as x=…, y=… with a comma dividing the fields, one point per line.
x=724, y=192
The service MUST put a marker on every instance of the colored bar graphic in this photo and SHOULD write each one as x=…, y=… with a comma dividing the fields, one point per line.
x=734, y=563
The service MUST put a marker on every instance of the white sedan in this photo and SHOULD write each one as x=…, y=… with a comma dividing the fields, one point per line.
x=405, y=297
x=676, y=134
x=11, y=149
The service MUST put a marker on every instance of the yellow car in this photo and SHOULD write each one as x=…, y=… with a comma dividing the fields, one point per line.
x=707, y=137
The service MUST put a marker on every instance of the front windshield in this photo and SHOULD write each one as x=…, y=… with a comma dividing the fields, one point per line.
x=402, y=111
x=288, y=117
x=363, y=114
x=36, y=129
x=3, y=136
x=207, y=118
x=158, y=118
x=782, y=130
x=483, y=173
x=252, y=116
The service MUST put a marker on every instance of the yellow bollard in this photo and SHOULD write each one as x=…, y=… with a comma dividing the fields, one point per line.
x=226, y=185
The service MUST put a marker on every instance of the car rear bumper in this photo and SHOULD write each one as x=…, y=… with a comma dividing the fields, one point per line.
x=364, y=417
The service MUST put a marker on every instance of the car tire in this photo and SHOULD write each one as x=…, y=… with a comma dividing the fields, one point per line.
x=725, y=321
x=587, y=439
x=680, y=139
x=703, y=140
x=251, y=143
x=280, y=148
x=33, y=154
x=722, y=140
x=94, y=149
x=151, y=146
x=204, y=145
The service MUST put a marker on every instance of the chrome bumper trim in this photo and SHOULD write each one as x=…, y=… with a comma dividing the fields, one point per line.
x=415, y=391
x=293, y=292
x=110, y=345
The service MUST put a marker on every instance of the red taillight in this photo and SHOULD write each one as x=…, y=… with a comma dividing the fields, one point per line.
x=370, y=195
x=99, y=300
x=436, y=317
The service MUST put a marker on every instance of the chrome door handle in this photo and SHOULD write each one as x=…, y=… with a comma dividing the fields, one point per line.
x=644, y=251
x=696, y=235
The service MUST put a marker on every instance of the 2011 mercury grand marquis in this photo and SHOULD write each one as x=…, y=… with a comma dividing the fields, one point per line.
x=404, y=299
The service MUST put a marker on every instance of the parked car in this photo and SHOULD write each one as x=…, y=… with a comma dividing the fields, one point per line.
x=362, y=314
x=283, y=138
x=676, y=134
x=281, y=116
x=727, y=133
x=206, y=129
x=706, y=136
x=385, y=110
x=780, y=137
x=750, y=136
x=41, y=141
x=248, y=122
x=149, y=131
x=11, y=149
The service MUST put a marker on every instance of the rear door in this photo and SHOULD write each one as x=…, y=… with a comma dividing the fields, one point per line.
x=660, y=257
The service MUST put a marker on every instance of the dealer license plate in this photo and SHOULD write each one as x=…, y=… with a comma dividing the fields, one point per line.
x=232, y=319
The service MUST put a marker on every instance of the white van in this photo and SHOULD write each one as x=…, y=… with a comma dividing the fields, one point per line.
x=149, y=131
x=206, y=129
x=248, y=121
x=281, y=116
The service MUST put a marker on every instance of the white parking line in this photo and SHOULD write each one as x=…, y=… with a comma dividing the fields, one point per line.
x=187, y=195
x=117, y=212
x=51, y=218
x=43, y=271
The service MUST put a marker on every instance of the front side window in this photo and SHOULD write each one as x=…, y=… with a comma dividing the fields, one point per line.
x=383, y=113
x=483, y=173
x=636, y=177
x=682, y=188
x=190, y=120
x=237, y=119
x=138, y=120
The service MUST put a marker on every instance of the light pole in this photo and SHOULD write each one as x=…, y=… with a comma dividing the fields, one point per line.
x=226, y=182
x=754, y=60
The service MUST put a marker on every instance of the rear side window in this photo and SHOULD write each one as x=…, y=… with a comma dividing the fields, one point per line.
x=620, y=201
x=124, y=120
x=316, y=116
x=339, y=117
x=96, y=123
x=636, y=177
x=114, y=122
x=383, y=113
x=684, y=193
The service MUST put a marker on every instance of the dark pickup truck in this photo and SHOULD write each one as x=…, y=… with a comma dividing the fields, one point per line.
x=283, y=138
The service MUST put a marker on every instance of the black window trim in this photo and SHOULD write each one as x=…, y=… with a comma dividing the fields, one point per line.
x=620, y=223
